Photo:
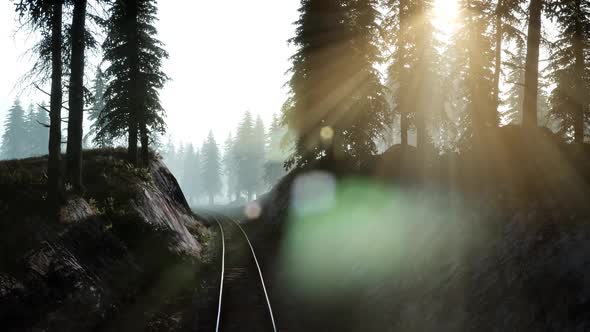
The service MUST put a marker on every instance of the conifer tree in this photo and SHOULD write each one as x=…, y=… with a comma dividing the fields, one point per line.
x=515, y=94
x=179, y=162
x=230, y=167
x=97, y=107
x=189, y=173
x=505, y=29
x=339, y=106
x=30, y=125
x=40, y=132
x=569, y=67
x=276, y=154
x=413, y=72
x=211, y=168
x=196, y=181
x=47, y=18
x=258, y=154
x=474, y=62
x=531, y=75
x=132, y=104
x=14, y=138
x=245, y=162
x=76, y=95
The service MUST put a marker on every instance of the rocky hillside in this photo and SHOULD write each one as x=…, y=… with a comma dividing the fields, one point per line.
x=490, y=241
x=122, y=257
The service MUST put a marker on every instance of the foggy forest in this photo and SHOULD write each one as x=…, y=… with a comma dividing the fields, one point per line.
x=426, y=166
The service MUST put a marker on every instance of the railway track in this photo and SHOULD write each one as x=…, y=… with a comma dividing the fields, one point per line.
x=243, y=303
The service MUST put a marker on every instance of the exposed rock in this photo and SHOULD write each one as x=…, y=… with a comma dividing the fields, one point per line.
x=75, y=210
x=88, y=271
x=163, y=204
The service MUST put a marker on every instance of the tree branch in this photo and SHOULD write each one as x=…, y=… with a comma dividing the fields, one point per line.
x=38, y=88
x=43, y=124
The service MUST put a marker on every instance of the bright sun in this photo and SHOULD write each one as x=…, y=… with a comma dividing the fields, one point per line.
x=445, y=15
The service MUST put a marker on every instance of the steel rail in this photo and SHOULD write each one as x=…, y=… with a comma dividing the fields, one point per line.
x=274, y=326
x=222, y=274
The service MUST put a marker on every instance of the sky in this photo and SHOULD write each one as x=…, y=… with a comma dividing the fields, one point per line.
x=226, y=57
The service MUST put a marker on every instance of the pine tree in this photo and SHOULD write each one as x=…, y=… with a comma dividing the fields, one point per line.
x=230, y=167
x=258, y=154
x=179, y=162
x=97, y=107
x=196, y=181
x=188, y=171
x=413, y=72
x=245, y=165
x=339, y=105
x=132, y=104
x=515, y=94
x=211, y=168
x=47, y=18
x=40, y=132
x=569, y=69
x=474, y=62
x=30, y=126
x=14, y=139
x=531, y=75
x=276, y=155
x=505, y=29
x=76, y=95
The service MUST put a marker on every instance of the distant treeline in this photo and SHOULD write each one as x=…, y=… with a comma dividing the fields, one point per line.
x=251, y=162
x=25, y=133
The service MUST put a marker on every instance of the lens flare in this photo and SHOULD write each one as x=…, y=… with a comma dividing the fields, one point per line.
x=252, y=210
x=327, y=133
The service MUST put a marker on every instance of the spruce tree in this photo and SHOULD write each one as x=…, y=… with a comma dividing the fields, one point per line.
x=276, y=154
x=40, y=135
x=230, y=167
x=569, y=67
x=339, y=103
x=474, y=62
x=76, y=95
x=515, y=94
x=30, y=126
x=211, y=168
x=414, y=70
x=47, y=18
x=189, y=172
x=258, y=154
x=14, y=138
x=196, y=181
x=506, y=28
x=245, y=162
x=531, y=76
x=97, y=107
x=132, y=104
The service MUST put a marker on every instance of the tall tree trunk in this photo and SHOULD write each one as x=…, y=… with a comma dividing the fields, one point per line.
x=531, y=75
x=579, y=100
x=55, y=192
x=132, y=142
x=145, y=152
x=498, y=60
x=76, y=97
x=403, y=124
